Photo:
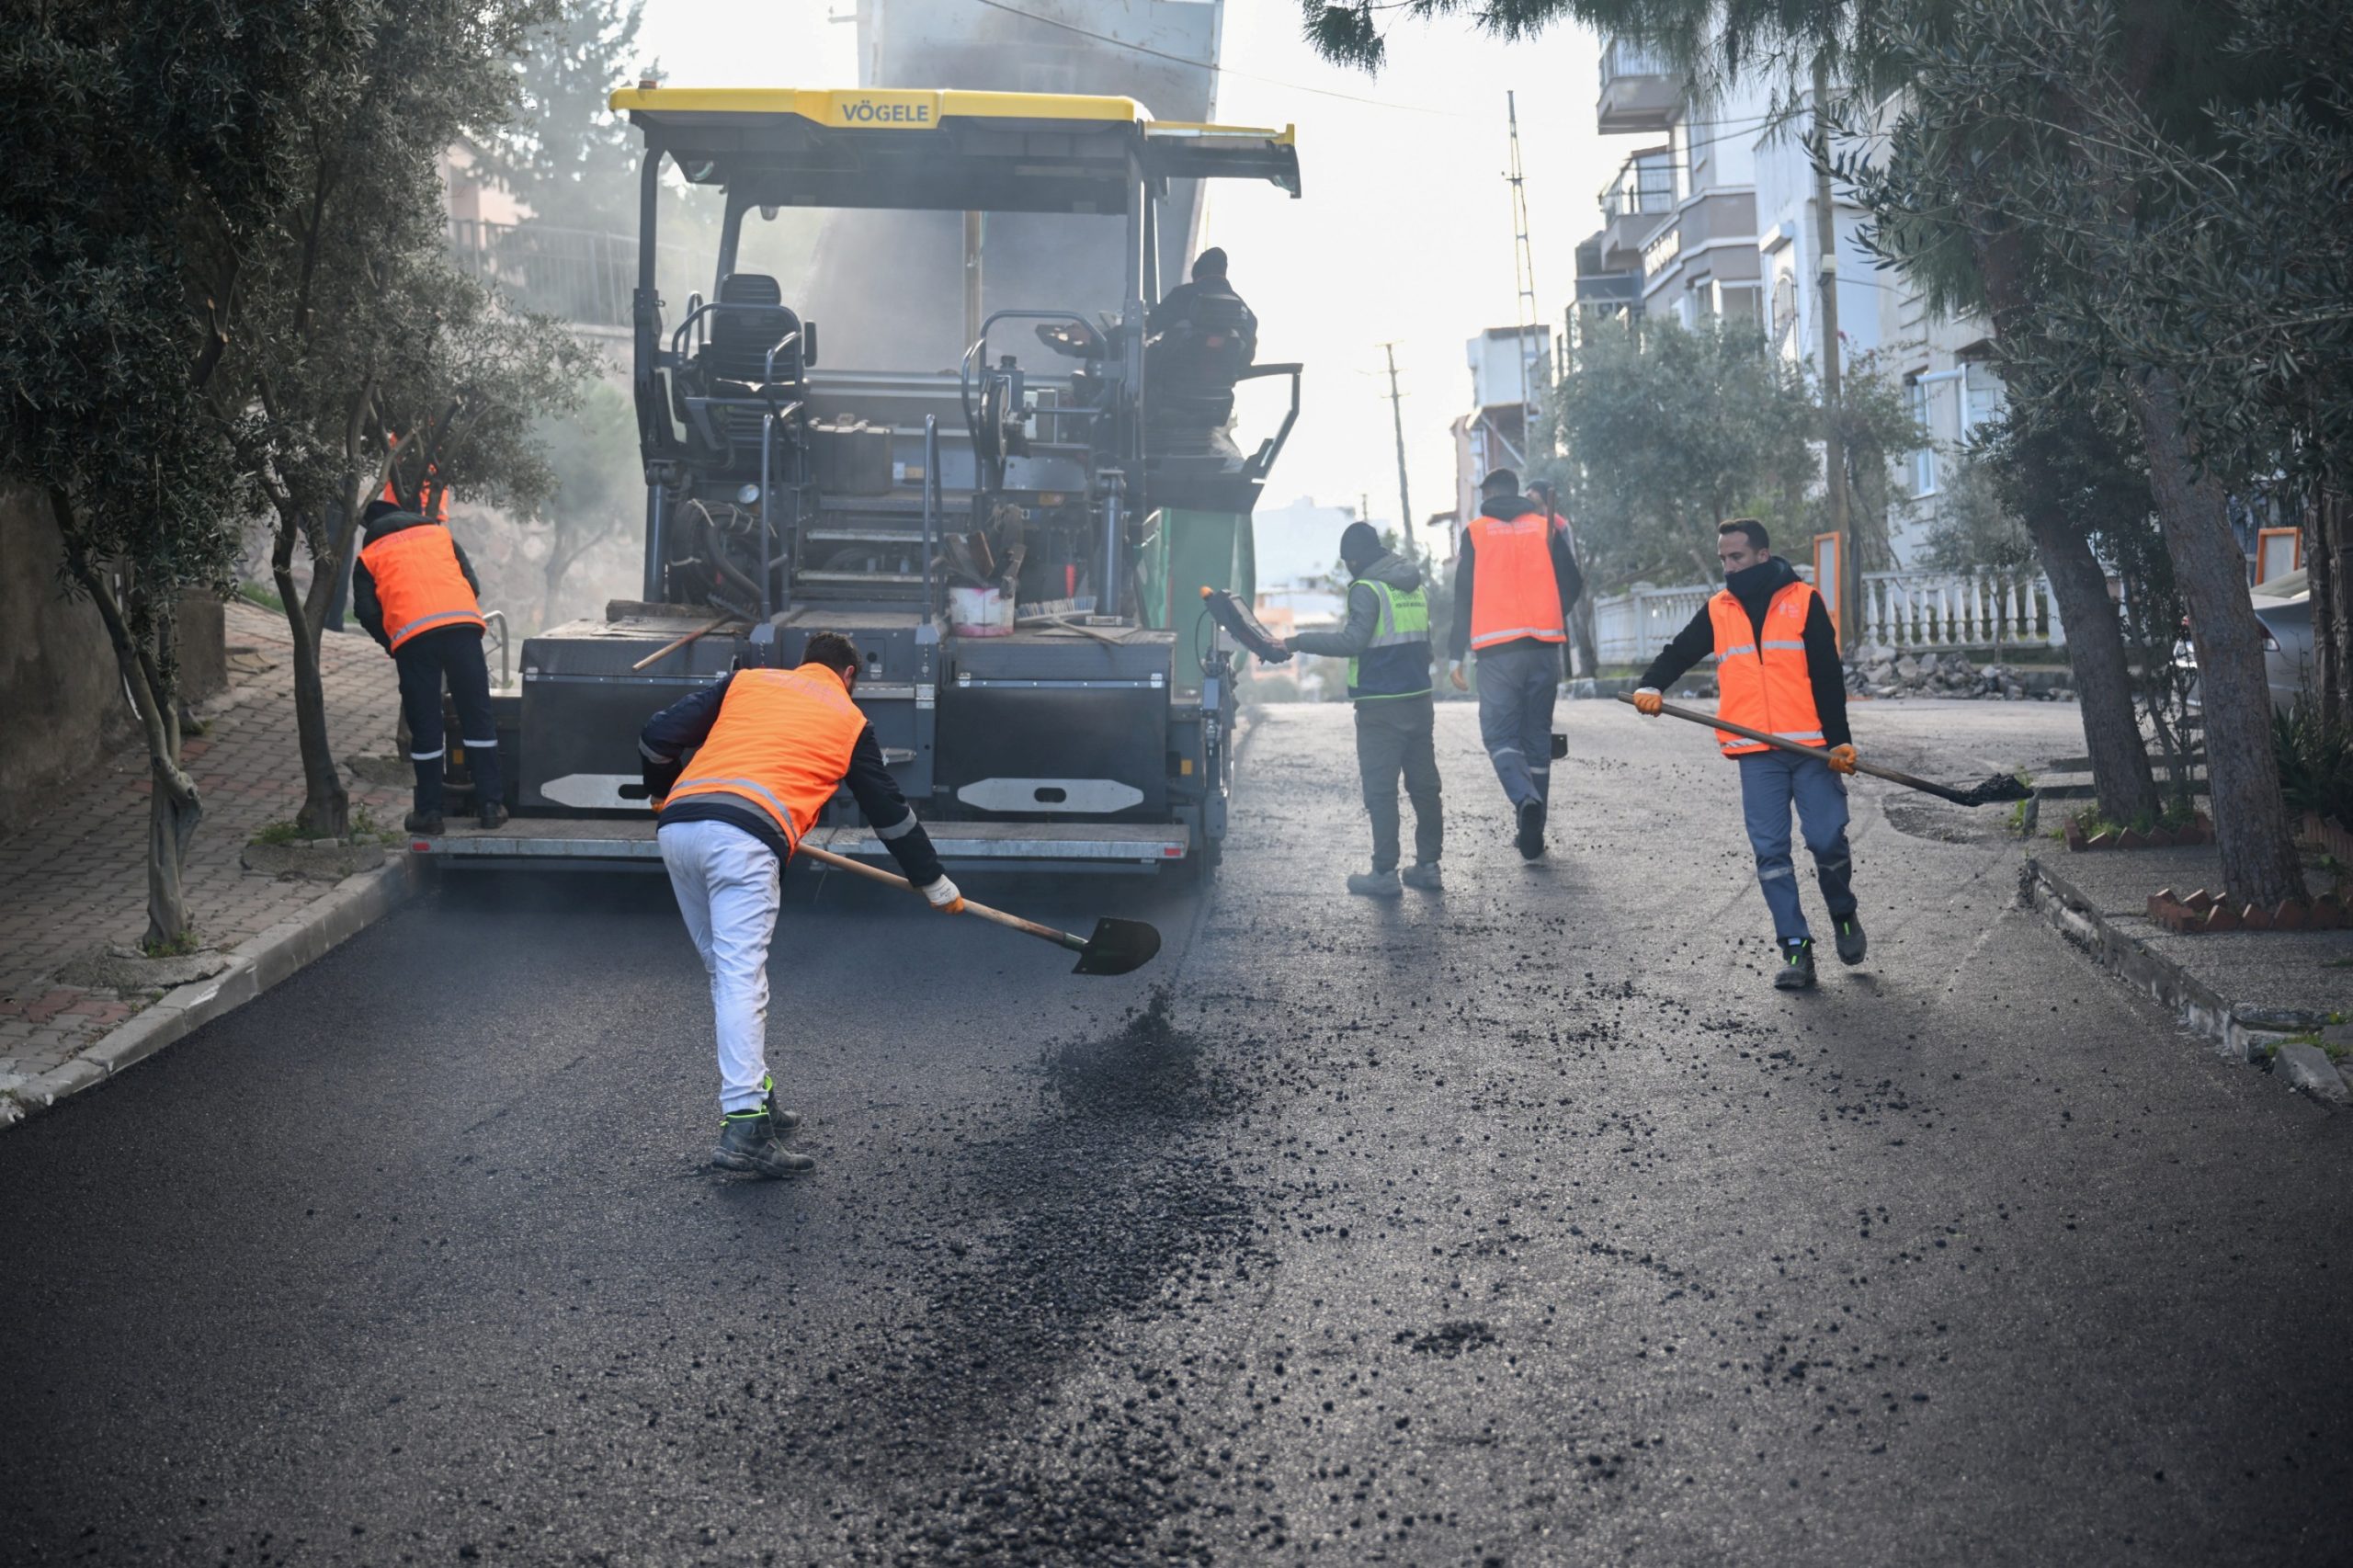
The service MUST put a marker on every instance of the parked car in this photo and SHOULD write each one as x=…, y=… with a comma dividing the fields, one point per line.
x=2284, y=606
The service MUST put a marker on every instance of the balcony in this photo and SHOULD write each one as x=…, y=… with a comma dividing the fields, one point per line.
x=1634, y=206
x=1640, y=91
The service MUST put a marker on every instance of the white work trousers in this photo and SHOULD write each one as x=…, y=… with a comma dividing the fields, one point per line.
x=726, y=881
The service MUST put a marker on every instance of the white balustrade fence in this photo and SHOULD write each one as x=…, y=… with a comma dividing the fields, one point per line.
x=1959, y=609
x=1901, y=610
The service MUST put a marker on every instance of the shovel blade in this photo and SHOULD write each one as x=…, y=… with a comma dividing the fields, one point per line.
x=1118, y=946
x=2001, y=787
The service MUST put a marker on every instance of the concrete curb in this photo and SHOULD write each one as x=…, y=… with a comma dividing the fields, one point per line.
x=2240, y=1032
x=255, y=965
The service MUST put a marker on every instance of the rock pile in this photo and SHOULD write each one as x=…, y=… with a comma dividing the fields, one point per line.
x=1878, y=670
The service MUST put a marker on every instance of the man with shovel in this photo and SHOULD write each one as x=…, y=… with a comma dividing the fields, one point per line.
x=774, y=745
x=1776, y=670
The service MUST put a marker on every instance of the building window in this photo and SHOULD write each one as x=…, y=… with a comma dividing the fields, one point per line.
x=1982, y=397
x=1742, y=302
x=1923, y=460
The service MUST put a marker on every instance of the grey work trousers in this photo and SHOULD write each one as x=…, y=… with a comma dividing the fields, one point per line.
x=1518, y=684
x=1393, y=736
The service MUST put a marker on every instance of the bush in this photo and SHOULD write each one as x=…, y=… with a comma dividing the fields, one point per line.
x=2315, y=762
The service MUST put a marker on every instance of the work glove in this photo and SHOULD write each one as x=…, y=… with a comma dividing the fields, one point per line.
x=1841, y=759
x=942, y=896
x=1648, y=702
x=1455, y=675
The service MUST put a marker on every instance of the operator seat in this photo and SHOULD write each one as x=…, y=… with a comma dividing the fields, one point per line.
x=750, y=319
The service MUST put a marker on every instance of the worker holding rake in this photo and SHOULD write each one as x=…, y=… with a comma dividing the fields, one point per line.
x=1777, y=671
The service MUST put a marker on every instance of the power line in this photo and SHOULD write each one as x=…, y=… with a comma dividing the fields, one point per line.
x=1212, y=67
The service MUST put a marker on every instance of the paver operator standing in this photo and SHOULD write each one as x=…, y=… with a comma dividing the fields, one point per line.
x=1776, y=670
x=1386, y=640
x=414, y=592
x=1515, y=578
x=775, y=744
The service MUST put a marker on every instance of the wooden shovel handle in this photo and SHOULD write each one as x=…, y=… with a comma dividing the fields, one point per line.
x=671, y=647
x=1785, y=744
x=877, y=874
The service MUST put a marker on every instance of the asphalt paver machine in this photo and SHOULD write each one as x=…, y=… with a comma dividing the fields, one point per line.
x=1016, y=533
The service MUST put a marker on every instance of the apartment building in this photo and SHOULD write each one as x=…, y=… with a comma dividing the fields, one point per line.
x=1715, y=215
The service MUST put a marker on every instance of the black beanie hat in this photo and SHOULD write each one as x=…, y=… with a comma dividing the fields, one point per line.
x=1210, y=263
x=380, y=507
x=1361, y=544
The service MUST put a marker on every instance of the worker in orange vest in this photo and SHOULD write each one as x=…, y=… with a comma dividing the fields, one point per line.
x=770, y=748
x=415, y=593
x=1776, y=670
x=1515, y=578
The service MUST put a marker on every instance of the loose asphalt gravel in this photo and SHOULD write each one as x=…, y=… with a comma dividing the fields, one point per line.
x=1522, y=1224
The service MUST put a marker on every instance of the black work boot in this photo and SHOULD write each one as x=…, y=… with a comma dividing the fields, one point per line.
x=427, y=823
x=1531, y=830
x=1796, y=973
x=493, y=814
x=748, y=1141
x=1852, y=943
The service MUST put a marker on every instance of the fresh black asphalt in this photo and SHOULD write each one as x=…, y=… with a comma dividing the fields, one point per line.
x=1519, y=1225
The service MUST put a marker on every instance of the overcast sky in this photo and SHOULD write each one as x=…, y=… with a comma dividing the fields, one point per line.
x=1405, y=232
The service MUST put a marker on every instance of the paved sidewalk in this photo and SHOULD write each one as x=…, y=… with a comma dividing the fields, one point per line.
x=73, y=881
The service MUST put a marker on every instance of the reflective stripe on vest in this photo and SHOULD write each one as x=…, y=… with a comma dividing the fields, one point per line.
x=1513, y=591
x=419, y=582
x=1762, y=681
x=1398, y=662
x=782, y=742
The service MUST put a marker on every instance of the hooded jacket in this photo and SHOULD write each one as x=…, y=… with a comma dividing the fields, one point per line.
x=1355, y=633
x=381, y=521
x=1755, y=586
x=1566, y=573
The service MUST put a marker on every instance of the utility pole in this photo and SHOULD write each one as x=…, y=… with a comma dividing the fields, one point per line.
x=1397, y=423
x=1530, y=319
x=1833, y=447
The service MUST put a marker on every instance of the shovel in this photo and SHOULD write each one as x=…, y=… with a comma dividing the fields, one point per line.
x=2000, y=787
x=1117, y=947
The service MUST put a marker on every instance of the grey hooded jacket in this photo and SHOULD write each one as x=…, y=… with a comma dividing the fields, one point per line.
x=1356, y=634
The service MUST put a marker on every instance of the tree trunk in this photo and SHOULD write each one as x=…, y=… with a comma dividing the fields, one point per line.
x=2251, y=821
x=2328, y=562
x=2126, y=789
x=326, y=807
x=173, y=813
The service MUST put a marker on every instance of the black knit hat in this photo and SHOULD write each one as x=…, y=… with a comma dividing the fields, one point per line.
x=1360, y=543
x=1210, y=263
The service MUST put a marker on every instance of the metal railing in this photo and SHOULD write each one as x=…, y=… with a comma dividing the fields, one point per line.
x=581, y=276
x=1621, y=58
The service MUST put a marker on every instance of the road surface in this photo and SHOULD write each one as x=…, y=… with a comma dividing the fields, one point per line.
x=1520, y=1225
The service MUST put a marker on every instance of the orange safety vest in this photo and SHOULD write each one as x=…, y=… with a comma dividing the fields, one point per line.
x=1513, y=593
x=1766, y=688
x=419, y=582
x=782, y=742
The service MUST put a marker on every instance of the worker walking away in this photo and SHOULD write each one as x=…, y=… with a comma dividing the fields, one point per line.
x=774, y=745
x=1515, y=578
x=1776, y=670
x=1386, y=639
x=415, y=593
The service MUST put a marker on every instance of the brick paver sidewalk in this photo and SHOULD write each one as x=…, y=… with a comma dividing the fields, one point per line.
x=75, y=880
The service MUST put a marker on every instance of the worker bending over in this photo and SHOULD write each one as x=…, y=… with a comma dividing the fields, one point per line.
x=415, y=593
x=1515, y=578
x=1386, y=640
x=775, y=744
x=1776, y=670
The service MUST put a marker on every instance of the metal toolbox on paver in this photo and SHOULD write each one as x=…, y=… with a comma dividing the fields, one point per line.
x=1058, y=726
x=579, y=751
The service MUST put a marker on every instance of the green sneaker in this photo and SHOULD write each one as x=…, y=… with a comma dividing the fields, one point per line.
x=750, y=1140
